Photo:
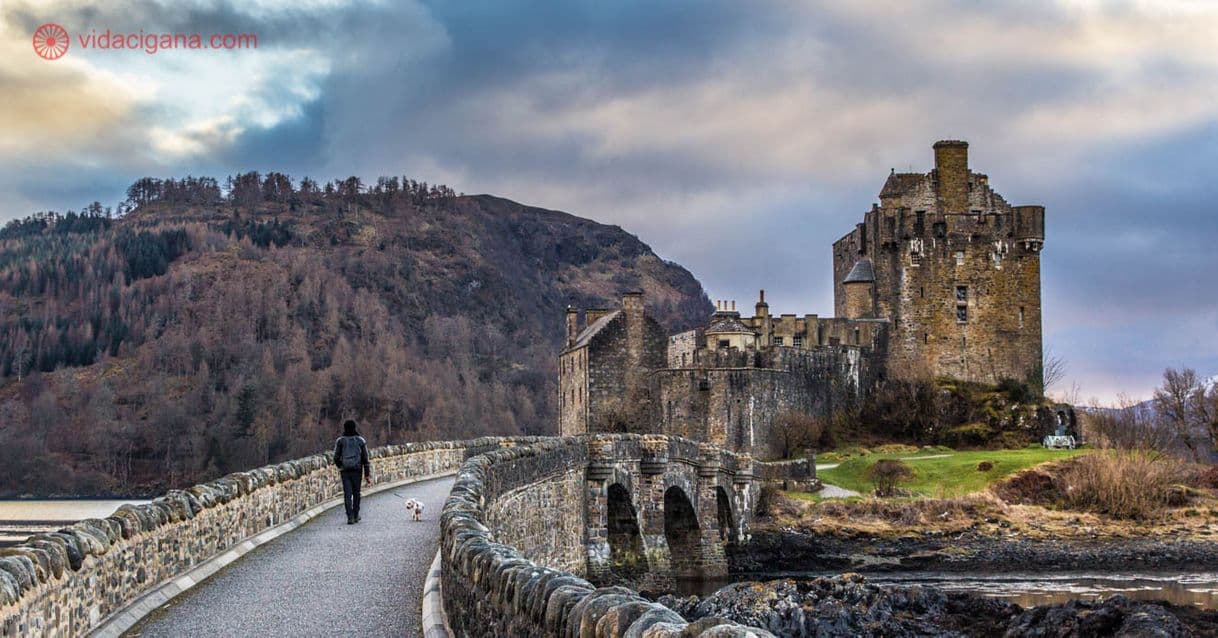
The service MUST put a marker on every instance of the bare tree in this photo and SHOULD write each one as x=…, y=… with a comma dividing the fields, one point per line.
x=1184, y=407
x=797, y=430
x=1053, y=371
x=1129, y=425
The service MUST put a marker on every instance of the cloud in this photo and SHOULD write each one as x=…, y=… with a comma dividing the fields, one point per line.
x=738, y=139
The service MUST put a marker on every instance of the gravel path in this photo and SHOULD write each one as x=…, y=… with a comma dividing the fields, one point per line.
x=326, y=578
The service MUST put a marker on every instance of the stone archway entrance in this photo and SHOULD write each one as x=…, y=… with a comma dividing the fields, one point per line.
x=626, y=556
x=727, y=522
x=682, y=533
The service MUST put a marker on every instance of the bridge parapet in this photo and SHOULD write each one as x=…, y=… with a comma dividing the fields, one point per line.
x=69, y=582
x=524, y=528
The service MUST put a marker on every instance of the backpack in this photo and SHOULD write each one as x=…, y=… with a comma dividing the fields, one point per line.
x=352, y=456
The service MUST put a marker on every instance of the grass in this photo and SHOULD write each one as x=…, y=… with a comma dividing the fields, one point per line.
x=944, y=477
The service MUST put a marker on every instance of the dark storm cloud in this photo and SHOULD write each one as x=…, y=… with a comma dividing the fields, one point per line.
x=741, y=139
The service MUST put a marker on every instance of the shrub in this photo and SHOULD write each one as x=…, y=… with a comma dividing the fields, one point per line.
x=985, y=466
x=1016, y=391
x=1030, y=487
x=1127, y=484
x=1013, y=441
x=1208, y=477
x=886, y=474
x=971, y=434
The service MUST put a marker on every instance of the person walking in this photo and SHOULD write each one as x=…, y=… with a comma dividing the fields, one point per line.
x=351, y=457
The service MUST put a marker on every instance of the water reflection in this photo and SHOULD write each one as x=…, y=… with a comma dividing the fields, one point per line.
x=1028, y=589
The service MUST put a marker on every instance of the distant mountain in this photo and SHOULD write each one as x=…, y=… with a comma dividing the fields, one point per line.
x=201, y=332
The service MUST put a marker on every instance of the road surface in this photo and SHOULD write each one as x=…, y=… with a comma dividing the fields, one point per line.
x=326, y=578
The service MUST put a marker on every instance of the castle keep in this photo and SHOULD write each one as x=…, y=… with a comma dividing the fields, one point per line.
x=953, y=268
x=941, y=278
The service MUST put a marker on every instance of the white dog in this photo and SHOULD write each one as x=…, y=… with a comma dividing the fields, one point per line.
x=416, y=507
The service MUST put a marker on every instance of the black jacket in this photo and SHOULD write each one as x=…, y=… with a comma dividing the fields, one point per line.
x=363, y=453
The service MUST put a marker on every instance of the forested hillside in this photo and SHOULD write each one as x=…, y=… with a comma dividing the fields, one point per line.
x=205, y=329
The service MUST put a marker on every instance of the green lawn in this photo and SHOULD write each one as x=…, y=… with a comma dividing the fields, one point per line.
x=954, y=475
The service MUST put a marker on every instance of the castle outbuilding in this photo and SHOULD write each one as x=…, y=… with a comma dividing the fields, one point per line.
x=941, y=278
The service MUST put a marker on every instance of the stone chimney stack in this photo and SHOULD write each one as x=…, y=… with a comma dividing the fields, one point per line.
x=951, y=169
x=572, y=325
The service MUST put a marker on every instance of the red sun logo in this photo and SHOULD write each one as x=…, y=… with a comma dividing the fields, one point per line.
x=51, y=41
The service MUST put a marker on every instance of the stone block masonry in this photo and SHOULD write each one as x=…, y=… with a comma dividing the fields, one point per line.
x=68, y=582
x=515, y=530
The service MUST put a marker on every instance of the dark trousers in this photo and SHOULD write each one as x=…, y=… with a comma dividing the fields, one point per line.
x=351, y=483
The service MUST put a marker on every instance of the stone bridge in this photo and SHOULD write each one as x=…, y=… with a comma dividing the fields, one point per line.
x=528, y=520
x=526, y=527
x=667, y=508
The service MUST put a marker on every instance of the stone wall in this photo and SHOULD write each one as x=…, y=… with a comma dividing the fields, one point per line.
x=734, y=398
x=504, y=577
x=67, y=582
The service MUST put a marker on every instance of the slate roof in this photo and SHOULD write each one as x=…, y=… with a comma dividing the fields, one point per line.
x=862, y=272
x=593, y=328
x=899, y=184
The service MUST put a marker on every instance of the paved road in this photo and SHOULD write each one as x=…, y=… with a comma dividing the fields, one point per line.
x=325, y=579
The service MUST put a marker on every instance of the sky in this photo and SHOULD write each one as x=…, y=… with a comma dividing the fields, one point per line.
x=737, y=139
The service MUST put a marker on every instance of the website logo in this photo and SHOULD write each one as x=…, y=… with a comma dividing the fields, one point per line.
x=51, y=41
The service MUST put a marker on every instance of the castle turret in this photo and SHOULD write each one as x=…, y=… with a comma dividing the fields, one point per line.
x=860, y=290
x=951, y=170
x=1030, y=226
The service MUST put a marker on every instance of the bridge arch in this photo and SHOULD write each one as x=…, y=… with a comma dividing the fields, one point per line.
x=627, y=557
x=682, y=532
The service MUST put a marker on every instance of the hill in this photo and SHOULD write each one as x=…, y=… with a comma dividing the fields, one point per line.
x=204, y=331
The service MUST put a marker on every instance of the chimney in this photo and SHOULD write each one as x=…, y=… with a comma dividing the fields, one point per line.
x=762, y=309
x=591, y=315
x=572, y=325
x=632, y=302
x=951, y=169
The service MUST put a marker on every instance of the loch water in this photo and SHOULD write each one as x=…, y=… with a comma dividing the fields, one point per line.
x=19, y=518
x=1026, y=589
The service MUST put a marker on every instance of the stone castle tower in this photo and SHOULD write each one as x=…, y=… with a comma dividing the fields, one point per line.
x=941, y=278
x=954, y=269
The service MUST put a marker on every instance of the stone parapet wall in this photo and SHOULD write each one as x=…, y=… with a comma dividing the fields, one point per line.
x=68, y=582
x=507, y=575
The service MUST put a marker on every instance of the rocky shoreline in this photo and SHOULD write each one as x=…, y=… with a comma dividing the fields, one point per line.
x=848, y=605
x=777, y=551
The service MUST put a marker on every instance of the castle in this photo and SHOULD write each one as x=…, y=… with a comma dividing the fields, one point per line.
x=941, y=278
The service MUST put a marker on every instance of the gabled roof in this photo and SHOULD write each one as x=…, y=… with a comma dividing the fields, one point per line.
x=727, y=323
x=899, y=184
x=593, y=328
x=862, y=272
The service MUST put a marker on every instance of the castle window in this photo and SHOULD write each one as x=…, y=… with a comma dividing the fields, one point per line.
x=798, y=342
x=919, y=222
x=1021, y=316
x=925, y=337
x=959, y=257
x=857, y=340
x=921, y=291
x=940, y=229
x=723, y=343
x=778, y=341
x=961, y=304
